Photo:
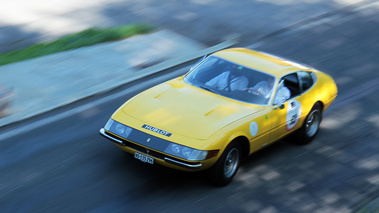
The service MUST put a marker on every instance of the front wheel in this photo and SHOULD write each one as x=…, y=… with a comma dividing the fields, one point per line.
x=311, y=126
x=227, y=165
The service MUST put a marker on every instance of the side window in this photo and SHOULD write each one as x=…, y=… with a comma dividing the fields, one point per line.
x=291, y=81
x=306, y=80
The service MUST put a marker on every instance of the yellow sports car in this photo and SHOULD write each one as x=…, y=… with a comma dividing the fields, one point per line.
x=229, y=105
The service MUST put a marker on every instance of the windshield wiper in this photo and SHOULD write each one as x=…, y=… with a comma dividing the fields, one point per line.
x=208, y=89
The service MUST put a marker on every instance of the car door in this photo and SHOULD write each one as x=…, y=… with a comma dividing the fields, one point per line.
x=286, y=111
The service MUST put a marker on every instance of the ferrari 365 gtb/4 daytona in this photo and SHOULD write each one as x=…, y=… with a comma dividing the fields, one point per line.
x=229, y=105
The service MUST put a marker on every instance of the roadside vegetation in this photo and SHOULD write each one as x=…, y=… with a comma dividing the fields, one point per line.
x=87, y=37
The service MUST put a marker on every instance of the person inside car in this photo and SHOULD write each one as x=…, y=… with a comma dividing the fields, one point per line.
x=263, y=88
x=230, y=80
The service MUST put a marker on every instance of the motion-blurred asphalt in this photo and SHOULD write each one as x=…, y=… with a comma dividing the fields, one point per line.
x=339, y=38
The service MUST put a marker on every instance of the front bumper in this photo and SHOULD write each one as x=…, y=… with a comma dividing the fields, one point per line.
x=159, y=157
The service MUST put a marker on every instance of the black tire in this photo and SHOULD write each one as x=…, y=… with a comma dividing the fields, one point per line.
x=310, y=126
x=223, y=172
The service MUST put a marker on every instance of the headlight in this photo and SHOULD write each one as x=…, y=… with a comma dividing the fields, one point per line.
x=186, y=152
x=118, y=128
x=189, y=153
x=175, y=149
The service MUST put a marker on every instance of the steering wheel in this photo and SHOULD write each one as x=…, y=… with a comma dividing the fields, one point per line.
x=255, y=92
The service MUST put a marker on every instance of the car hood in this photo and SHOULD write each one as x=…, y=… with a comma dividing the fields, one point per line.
x=180, y=108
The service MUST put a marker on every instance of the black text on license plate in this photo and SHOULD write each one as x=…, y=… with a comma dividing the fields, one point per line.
x=144, y=158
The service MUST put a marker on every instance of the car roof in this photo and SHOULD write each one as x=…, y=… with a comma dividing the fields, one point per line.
x=262, y=61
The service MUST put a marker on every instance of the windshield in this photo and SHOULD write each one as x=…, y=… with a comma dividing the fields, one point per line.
x=232, y=80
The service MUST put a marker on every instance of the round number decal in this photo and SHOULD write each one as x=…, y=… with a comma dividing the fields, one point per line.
x=293, y=114
x=253, y=128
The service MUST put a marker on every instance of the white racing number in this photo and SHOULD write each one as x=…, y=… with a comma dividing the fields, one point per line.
x=293, y=114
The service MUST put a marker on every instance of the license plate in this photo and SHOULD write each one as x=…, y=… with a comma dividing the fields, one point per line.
x=144, y=158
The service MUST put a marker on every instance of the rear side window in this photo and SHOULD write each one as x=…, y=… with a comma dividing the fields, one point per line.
x=292, y=83
x=306, y=80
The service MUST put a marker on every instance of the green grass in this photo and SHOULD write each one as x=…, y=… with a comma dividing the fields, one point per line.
x=84, y=38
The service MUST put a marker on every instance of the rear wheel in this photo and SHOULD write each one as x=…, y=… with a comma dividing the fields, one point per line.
x=311, y=126
x=227, y=165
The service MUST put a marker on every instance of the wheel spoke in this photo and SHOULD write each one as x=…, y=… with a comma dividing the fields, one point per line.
x=312, y=123
x=231, y=163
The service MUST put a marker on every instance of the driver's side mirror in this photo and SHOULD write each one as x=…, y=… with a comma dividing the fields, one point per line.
x=279, y=105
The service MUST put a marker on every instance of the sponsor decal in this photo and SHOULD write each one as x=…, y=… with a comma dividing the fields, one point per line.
x=159, y=131
x=293, y=114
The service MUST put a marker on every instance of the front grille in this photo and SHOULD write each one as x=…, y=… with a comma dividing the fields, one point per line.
x=144, y=150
